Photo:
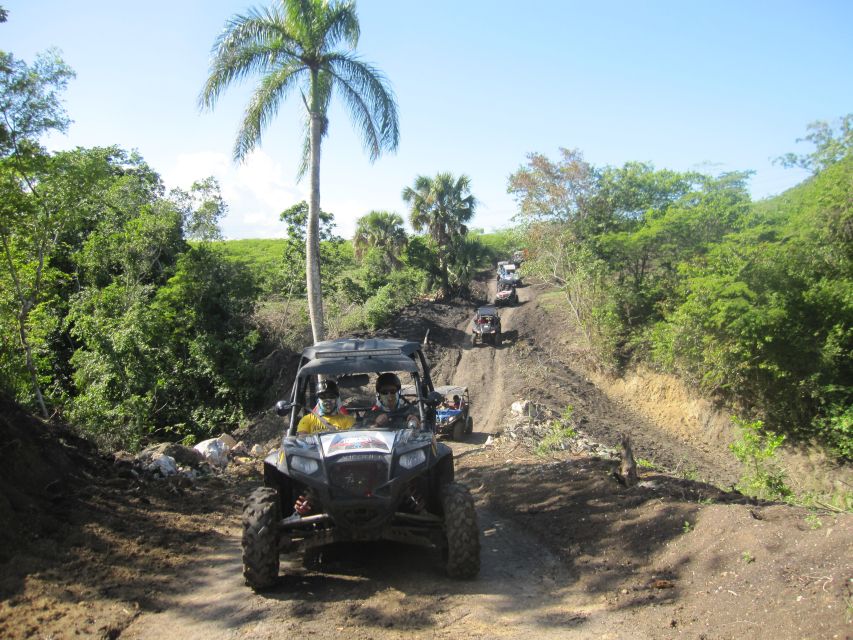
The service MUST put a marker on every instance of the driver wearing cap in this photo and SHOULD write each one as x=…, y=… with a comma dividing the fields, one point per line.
x=328, y=414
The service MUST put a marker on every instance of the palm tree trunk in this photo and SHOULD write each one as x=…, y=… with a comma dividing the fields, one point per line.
x=312, y=237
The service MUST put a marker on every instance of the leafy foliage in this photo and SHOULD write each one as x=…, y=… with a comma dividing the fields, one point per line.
x=751, y=302
x=830, y=146
x=442, y=206
x=756, y=450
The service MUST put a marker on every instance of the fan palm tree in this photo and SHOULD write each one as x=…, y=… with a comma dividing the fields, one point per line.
x=381, y=230
x=291, y=46
x=441, y=206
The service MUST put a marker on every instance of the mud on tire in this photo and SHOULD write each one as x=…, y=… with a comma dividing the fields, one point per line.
x=463, y=533
x=260, y=538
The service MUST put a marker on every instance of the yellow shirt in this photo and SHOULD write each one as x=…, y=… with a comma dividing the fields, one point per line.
x=311, y=423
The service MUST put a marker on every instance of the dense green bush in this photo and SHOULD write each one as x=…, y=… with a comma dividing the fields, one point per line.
x=751, y=302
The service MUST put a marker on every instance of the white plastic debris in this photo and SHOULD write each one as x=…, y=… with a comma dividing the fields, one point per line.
x=257, y=451
x=489, y=441
x=215, y=451
x=165, y=465
x=521, y=407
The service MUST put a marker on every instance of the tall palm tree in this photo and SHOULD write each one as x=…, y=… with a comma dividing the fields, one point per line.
x=441, y=206
x=290, y=46
x=382, y=230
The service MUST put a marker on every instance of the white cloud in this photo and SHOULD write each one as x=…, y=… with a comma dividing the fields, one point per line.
x=256, y=191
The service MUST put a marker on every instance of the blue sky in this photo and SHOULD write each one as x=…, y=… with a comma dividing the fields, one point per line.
x=716, y=86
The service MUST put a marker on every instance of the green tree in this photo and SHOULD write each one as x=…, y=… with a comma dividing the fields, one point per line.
x=293, y=256
x=293, y=45
x=384, y=231
x=441, y=206
x=830, y=145
x=30, y=228
x=202, y=207
x=553, y=191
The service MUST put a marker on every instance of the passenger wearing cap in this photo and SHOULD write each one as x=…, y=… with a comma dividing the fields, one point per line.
x=390, y=403
x=328, y=414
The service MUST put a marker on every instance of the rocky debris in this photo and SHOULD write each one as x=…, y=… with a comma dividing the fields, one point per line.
x=182, y=455
x=181, y=463
x=229, y=440
x=531, y=424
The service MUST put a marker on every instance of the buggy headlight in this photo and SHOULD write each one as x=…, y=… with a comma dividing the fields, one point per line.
x=304, y=465
x=412, y=459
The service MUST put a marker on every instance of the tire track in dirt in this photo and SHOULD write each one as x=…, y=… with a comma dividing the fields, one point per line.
x=378, y=590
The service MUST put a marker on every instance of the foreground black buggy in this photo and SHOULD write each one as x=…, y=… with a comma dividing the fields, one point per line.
x=453, y=416
x=394, y=482
x=486, y=326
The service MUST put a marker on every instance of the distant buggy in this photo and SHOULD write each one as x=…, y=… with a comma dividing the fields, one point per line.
x=506, y=295
x=390, y=482
x=453, y=416
x=486, y=326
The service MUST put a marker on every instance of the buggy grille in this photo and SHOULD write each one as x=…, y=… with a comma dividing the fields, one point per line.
x=359, y=475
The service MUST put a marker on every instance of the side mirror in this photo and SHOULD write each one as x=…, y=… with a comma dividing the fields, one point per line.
x=434, y=399
x=283, y=407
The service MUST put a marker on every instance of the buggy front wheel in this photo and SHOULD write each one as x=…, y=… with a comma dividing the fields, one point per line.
x=260, y=538
x=462, y=532
x=469, y=426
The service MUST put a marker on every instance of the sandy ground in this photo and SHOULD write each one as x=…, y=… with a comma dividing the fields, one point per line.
x=566, y=550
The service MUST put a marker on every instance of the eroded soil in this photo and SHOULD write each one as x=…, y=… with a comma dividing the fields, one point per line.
x=565, y=548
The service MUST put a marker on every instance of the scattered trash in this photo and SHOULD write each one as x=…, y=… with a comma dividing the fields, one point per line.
x=215, y=451
x=165, y=465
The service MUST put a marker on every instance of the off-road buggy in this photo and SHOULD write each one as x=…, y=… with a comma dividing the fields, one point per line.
x=453, y=416
x=486, y=326
x=394, y=482
x=506, y=294
x=508, y=274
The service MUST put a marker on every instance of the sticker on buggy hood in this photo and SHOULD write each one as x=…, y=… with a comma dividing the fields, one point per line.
x=357, y=441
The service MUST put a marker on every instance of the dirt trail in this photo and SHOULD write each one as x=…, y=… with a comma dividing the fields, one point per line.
x=483, y=369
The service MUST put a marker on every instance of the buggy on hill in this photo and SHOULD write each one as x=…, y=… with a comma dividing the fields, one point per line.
x=508, y=274
x=393, y=482
x=506, y=294
x=486, y=326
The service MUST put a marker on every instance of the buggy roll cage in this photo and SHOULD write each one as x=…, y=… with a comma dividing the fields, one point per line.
x=348, y=357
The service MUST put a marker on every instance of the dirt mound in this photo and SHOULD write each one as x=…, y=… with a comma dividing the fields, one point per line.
x=84, y=549
x=673, y=556
x=41, y=464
